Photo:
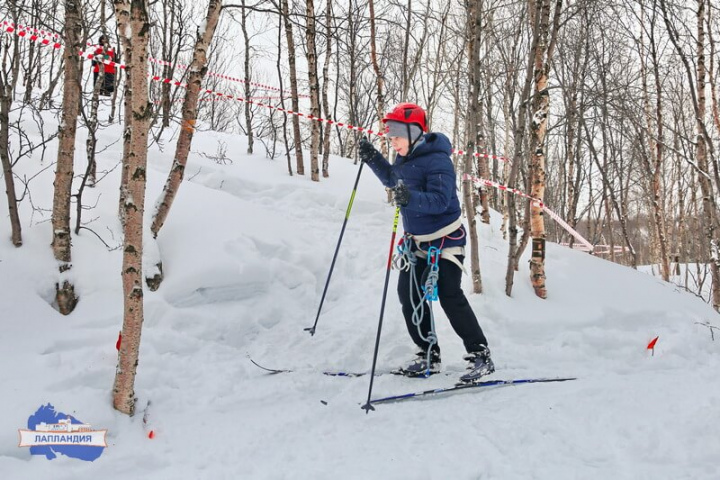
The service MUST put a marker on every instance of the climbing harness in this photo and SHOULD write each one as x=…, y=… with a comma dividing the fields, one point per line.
x=409, y=249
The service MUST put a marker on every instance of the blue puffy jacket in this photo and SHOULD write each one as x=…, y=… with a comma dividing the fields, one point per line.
x=429, y=174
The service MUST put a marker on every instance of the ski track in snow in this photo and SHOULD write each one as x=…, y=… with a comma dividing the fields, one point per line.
x=246, y=252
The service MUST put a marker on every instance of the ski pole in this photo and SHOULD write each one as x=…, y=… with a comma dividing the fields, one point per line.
x=337, y=249
x=367, y=407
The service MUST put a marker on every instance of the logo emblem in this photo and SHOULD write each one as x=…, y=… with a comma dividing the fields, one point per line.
x=51, y=432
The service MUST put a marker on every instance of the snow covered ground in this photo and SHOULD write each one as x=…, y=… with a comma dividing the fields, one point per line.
x=246, y=251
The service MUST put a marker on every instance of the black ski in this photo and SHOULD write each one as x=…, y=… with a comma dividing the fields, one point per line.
x=269, y=370
x=466, y=386
x=340, y=373
x=273, y=371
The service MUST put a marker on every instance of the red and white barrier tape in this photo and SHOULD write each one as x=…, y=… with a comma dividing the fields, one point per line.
x=219, y=99
x=569, y=229
x=226, y=77
x=254, y=97
x=33, y=30
x=499, y=186
x=32, y=36
x=486, y=155
x=150, y=59
x=91, y=55
x=247, y=100
x=219, y=95
x=544, y=207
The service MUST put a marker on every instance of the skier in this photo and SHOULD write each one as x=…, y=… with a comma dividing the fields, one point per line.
x=423, y=183
x=104, y=52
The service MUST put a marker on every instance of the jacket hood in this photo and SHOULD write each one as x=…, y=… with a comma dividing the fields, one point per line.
x=431, y=143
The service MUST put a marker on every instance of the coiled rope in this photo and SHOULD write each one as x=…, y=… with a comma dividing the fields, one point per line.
x=406, y=260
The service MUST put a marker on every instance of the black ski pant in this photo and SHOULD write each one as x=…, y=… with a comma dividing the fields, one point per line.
x=108, y=83
x=452, y=300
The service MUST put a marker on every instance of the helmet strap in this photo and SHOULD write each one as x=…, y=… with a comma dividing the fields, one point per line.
x=412, y=142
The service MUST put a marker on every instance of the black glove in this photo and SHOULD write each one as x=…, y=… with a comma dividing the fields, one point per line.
x=401, y=194
x=366, y=150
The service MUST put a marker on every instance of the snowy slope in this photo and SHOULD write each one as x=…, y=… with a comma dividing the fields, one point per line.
x=246, y=251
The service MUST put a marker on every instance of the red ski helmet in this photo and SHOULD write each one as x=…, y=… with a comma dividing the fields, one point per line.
x=408, y=113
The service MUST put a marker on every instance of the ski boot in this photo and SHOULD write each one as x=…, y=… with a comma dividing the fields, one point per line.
x=479, y=365
x=418, y=366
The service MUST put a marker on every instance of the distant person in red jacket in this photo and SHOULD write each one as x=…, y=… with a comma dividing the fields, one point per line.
x=104, y=52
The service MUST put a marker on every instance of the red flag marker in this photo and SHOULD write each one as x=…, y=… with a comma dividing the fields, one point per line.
x=146, y=422
x=119, y=341
x=651, y=345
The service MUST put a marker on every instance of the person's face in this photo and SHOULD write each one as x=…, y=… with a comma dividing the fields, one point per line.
x=400, y=145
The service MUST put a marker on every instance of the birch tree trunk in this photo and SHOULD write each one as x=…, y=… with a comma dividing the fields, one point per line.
x=326, y=83
x=538, y=127
x=300, y=165
x=278, y=67
x=658, y=200
x=5, y=104
x=196, y=74
x=471, y=133
x=134, y=14
x=380, y=80
x=702, y=141
x=118, y=79
x=352, y=100
x=28, y=73
x=406, y=48
x=61, y=243
x=654, y=167
x=515, y=250
x=248, y=87
x=123, y=25
x=477, y=142
x=314, y=90
x=507, y=153
x=92, y=122
x=573, y=97
x=169, y=21
x=701, y=154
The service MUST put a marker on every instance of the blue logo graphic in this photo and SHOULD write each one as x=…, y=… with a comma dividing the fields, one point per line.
x=51, y=432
